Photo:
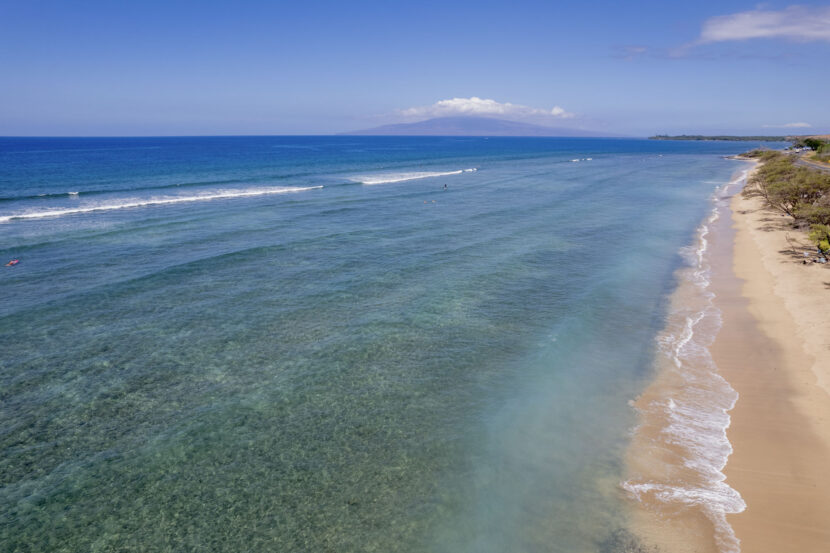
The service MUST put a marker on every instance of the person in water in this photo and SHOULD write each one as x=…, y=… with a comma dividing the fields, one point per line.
x=445, y=187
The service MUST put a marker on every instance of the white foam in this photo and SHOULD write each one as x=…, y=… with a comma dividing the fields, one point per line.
x=698, y=413
x=716, y=501
x=133, y=203
x=387, y=178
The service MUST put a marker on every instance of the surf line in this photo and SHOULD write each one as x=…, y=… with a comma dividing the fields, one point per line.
x=157, y=201
x=388, y=178
x=692, y=413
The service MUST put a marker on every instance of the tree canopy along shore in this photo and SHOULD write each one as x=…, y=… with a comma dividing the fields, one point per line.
x=798, y=191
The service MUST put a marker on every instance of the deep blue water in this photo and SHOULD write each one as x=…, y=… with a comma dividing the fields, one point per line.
x=235, y=344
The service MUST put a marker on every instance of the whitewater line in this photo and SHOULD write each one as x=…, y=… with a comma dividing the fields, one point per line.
x=157, y=201
x=387, y=178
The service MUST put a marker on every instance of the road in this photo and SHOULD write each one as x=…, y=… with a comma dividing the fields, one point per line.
x=812, y=165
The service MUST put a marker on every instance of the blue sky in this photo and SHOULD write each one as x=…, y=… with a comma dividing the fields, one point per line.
x=189, y=68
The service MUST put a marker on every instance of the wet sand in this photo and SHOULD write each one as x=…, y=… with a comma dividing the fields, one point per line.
x=679, y=448
x=766, y=331
x=774, y=349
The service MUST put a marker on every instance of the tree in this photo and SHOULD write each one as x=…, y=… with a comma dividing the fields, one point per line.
x=801, y=193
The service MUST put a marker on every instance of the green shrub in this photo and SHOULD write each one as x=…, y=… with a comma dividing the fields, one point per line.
x=820, y=234
x=814, y=214
x=762, y=154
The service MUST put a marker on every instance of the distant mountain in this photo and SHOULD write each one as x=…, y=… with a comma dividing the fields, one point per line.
x=472, y=126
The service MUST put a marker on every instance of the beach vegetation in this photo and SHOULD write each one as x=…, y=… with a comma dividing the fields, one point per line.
x=762, y=154
x=786, y=186
x=820, y=234
x=800, y=192
x=814, y=214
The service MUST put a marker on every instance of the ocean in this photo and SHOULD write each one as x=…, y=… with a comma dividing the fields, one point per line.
x=335, y=343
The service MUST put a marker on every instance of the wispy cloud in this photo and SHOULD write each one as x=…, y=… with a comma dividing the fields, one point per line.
x=797, y=23
x=481, y=106
x=630, y=52
x=789, y=126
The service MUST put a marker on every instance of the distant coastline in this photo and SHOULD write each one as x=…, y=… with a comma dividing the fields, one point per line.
x=728, y=138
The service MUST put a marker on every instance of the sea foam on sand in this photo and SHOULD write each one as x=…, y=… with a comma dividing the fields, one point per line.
x=687, y=410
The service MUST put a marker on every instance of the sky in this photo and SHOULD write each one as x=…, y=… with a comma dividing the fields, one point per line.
x=104, y=68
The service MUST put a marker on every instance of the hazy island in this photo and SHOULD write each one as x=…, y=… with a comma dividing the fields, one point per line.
x=475, y=126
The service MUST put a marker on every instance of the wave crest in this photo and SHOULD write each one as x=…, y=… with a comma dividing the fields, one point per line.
x=387, y=178
x=133, y=203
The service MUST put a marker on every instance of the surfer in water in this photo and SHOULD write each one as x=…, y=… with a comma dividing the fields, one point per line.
x=445, y=187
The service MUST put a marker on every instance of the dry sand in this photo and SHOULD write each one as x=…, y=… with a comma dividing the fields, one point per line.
x=774, y=349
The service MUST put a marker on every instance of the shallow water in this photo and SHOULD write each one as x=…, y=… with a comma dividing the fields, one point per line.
x=204, y=349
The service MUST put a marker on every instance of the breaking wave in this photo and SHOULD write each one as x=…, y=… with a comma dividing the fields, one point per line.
x=134, y=203
x=387, y=178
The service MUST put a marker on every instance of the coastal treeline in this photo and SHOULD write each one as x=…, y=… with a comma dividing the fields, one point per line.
x=820, y=147
x=723, y=137
x=800, y=192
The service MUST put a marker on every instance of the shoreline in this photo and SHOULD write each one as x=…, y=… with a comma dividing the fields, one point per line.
x=774, y=349
x=679, y=449
x=733, y=442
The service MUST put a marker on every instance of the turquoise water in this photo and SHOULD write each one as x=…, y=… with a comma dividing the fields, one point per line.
x=236, y=344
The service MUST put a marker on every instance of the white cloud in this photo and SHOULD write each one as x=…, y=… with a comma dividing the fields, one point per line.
x=481, y=106
x=789, y=126
x=630, y=52
x=798, y=23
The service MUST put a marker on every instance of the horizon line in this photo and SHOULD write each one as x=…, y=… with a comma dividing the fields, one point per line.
x=340, y=134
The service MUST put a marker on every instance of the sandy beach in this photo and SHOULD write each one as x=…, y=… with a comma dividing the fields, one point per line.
x=749, y=319
x=774, y=349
